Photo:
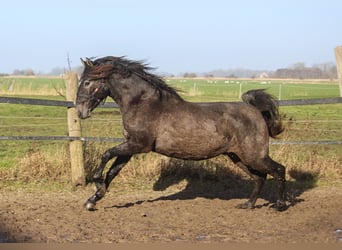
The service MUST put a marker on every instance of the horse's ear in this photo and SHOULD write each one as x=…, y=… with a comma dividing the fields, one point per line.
x=89, y=62
x=83, y=62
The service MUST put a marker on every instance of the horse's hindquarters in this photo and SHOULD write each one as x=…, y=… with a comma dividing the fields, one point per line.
x=202, y=131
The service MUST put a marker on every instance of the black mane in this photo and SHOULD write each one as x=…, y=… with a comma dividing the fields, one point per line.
x=106, y=66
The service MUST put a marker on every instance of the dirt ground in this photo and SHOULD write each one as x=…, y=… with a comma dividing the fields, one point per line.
x=176, y=214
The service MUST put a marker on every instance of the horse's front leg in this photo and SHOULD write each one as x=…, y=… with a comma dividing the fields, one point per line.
x=101, y=186
x=123, y=155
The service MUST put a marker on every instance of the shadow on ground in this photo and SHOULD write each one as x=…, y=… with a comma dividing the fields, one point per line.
x=217, y=181
x=3, y=234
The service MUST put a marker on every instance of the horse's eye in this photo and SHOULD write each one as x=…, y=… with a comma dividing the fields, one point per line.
x=86, y=83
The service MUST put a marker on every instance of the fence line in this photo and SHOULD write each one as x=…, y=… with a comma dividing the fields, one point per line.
x=42, y=102
x=59, y=138
x=68, y=104
x=310, y=101
x=117, y=140
x=95, y=119
x=32, y=117
x=306, y=142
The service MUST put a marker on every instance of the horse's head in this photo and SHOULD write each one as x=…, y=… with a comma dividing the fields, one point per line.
x=120, y=78
x=91, y=91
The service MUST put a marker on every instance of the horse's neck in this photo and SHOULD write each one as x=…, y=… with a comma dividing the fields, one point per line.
x=131, y=92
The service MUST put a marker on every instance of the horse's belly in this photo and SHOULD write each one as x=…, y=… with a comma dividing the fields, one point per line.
x=194, y=148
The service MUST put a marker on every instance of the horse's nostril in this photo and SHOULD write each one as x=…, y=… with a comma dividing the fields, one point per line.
x=82, y=112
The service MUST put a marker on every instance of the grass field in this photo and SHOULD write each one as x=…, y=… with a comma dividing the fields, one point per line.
x=231, y=90
x=29, y=160
x=34, y=86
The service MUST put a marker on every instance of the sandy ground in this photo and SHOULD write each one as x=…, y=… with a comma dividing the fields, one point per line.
x=177, y=214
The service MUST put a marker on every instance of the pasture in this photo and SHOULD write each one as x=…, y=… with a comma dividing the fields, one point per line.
x=303, y=123
x=157, y=199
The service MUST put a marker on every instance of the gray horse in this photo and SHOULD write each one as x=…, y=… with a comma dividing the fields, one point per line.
x=155, y=118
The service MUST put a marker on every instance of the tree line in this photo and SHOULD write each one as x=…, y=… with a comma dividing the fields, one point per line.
x=57, y=71
x=294, y=71
x=301, y=71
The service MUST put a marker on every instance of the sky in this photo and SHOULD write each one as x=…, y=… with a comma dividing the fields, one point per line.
x=173, y=36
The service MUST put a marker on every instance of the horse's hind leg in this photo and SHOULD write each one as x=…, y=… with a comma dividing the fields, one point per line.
x=259, y=179
x=277, y=170
x=257, y=176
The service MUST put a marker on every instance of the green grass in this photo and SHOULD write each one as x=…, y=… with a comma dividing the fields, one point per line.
x=28, y=120
x=314, y=122
x=229, y=90
x=31, y=86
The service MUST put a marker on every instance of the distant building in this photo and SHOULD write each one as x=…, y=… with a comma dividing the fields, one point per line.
x=263, y=75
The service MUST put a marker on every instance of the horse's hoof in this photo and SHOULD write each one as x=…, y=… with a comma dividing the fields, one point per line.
x=90, y=206
x=245, y=205
x=280, y=206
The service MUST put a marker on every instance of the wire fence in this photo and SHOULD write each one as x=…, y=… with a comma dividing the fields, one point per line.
x=56, y=103
x=118, y=140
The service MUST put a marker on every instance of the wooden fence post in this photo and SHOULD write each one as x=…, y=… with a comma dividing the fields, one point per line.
x=74, y=126
x=338, y=55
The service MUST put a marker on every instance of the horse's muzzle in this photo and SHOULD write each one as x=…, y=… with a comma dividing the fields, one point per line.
x=83, y=112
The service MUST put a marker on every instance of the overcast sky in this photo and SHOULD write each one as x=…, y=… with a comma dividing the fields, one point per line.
x=174, y=36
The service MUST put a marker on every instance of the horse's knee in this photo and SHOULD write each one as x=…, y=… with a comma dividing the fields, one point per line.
x=107, y=156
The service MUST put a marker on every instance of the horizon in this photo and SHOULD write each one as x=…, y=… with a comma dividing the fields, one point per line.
x=218, y=73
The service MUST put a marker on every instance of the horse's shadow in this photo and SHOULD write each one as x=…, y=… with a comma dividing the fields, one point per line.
x=215, y=181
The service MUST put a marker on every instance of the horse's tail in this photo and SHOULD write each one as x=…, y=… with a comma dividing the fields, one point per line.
x=268, y=107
